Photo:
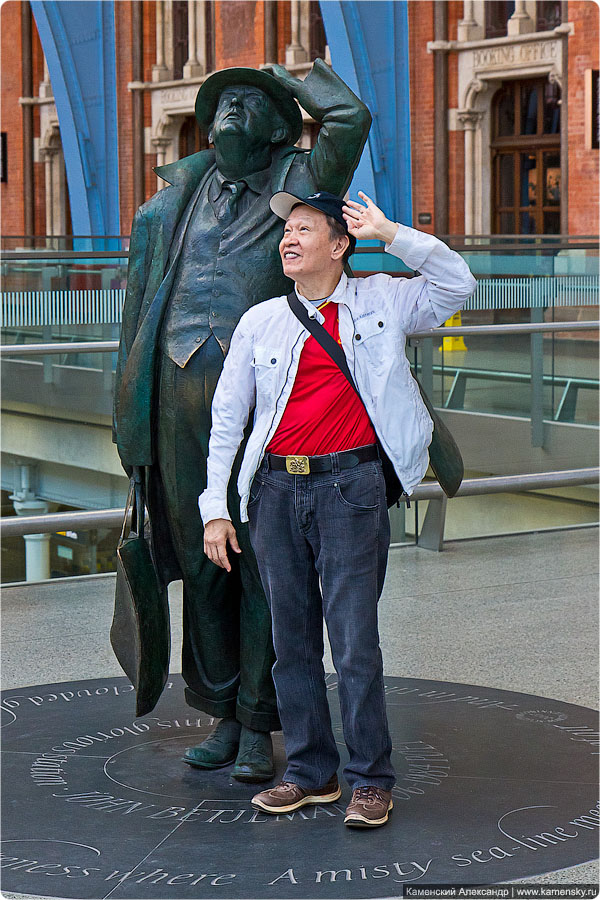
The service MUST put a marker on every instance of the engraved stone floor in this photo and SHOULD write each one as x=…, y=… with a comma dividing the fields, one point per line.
x=511, y=614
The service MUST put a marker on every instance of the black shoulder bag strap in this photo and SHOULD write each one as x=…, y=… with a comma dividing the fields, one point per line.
x=444, y=455
x=322, y=336
x=393, y=488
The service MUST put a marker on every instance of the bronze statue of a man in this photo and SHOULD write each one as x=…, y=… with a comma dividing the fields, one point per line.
x=202, y=251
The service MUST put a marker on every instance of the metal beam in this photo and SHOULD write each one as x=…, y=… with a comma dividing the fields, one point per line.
x=7, y=350
x=368, y=43
x=78, y=39
x=12, y=526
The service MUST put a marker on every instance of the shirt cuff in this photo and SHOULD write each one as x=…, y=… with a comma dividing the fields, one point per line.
x=212, y=506
x=412, y=246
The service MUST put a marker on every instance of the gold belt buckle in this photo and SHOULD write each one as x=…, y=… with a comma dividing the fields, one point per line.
x=297, y=465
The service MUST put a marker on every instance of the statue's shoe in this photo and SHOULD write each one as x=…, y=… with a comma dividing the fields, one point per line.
x=254, y=761
x=218, y=750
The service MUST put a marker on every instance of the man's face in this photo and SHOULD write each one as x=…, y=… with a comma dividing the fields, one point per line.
x=247, y=112
x=307, y=247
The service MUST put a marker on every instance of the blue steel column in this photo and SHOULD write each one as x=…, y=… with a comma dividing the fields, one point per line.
x=369, y=50
x=78, y=39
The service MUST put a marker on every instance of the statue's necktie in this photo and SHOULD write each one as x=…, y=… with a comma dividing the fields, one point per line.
x=227, y=202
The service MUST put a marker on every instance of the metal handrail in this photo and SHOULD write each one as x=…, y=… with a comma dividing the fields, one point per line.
x=113, y=346
x=62, y=347
x=491, y=243
x=13, y=526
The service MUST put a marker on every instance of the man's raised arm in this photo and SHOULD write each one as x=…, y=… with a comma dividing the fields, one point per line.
x=445, y=283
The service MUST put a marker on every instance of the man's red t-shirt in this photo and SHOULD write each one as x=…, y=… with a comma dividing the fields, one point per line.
x=324, y=413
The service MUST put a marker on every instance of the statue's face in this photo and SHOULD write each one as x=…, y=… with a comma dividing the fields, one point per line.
x=247, y=112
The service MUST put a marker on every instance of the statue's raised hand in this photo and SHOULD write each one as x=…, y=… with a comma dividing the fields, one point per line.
x=367, y=222
x=313, y=93
x=282, y=75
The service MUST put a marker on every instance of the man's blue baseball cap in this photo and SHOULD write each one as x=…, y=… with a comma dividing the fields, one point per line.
x=282, y=203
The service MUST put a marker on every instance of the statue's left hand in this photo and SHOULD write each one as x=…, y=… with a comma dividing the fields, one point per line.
x=299, y=89
x=282, y=75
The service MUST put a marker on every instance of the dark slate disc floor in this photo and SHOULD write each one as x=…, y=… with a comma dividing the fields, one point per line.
x=492, y=786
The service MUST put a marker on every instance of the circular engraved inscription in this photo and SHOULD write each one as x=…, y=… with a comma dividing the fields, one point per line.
x=546, y=716
x=491, y=786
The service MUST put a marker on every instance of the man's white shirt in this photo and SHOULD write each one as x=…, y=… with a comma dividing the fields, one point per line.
x=375, y=315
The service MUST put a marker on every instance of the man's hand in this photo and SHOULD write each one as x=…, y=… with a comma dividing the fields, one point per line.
x=216, y=534
x=368, y=223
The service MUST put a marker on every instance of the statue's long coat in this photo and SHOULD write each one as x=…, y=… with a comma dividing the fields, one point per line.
x=345, y=123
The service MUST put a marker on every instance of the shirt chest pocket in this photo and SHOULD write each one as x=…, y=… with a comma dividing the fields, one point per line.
x=369, y=328
x=373, y=341
x=265, y=362
x=265, y=357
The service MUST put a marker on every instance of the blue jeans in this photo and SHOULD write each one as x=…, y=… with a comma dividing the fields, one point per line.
x=321, y=542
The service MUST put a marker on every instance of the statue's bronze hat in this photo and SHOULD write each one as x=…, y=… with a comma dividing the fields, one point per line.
x=210, y=91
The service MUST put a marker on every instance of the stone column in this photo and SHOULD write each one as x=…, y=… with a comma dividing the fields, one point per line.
x=295, y=52
x=520, y=22
x=469, y=119
x=159, y=69
x=45, y=85
x=162, y=144
x=270, y=30
x=47, y=154
x=37, y=546
x=193, y=66
x=467, y=25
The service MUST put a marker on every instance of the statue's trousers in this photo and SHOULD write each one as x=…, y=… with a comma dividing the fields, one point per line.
x=227, y=645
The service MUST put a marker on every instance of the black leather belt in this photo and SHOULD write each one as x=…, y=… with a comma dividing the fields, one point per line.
x=305, y=465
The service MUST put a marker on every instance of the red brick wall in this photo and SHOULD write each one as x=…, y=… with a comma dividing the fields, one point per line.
x=11, y=192
x=420, y=30
x=284, y=30
x=456, y=139
x=421, y=63
x=239, y=40
x=39, y=172
x=239, y=33
x=583, y=163
x=11, y=195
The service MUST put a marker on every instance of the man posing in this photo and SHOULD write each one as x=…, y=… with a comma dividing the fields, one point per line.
x=321, y=537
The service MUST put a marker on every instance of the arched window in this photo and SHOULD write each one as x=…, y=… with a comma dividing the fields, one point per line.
x=190, y=138
x=180, y=37
x=497, y=14
x=317, y=38
x=548, y=14
x=526, y=158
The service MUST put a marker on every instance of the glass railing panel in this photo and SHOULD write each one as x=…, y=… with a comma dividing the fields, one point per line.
x=54, y=297
x=491, y=515
x=571, y=373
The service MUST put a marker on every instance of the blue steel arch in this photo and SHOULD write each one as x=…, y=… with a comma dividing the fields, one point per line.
x=368, y=42
x=78, y=39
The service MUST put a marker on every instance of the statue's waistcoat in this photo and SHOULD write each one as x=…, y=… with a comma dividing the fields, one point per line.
x=246, y=252
x=223, y=269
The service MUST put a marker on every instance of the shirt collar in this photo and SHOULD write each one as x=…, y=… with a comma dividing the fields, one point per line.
x=336, y=297
x=257, y=181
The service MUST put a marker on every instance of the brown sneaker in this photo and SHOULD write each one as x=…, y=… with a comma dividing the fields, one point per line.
x=369, y=807
x=286, y=796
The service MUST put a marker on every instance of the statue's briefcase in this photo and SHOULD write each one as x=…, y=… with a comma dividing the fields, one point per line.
x=140, y=633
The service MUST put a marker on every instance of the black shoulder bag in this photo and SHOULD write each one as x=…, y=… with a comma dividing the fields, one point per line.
x=444, y=456
x=140, y=633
